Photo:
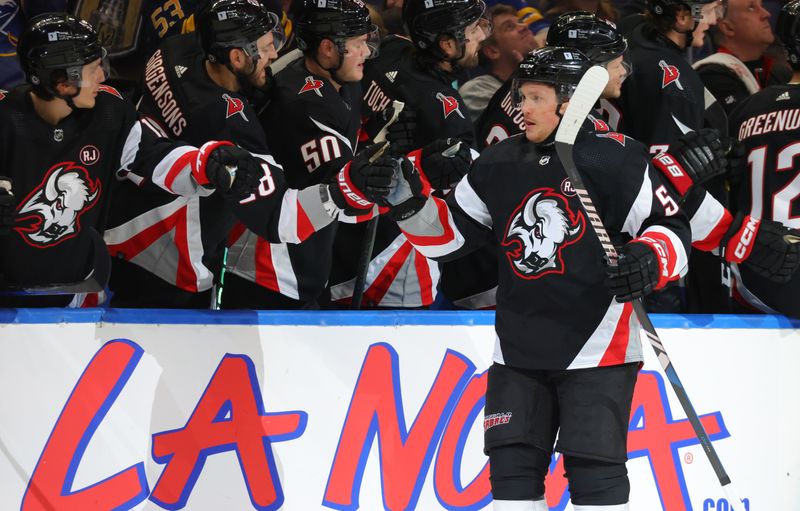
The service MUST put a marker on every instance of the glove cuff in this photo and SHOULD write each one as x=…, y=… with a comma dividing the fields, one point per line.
x=662, y=257
x=345, y=194
x=741, y=238
x=203, y=153
x=673, y=172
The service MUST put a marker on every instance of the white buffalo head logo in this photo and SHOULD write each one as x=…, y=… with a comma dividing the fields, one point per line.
x=539, y=228
x=56, y=205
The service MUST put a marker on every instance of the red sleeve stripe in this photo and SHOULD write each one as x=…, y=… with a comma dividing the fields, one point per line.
x=709, y=224
x=669, y=249
x=183, y=162
x=304, y=226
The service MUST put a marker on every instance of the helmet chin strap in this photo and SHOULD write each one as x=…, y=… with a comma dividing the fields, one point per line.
x=245, y=85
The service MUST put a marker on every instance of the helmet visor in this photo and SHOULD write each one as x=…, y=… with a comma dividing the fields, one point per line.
x=88, y=75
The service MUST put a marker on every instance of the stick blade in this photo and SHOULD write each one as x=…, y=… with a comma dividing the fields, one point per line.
x=583, y=100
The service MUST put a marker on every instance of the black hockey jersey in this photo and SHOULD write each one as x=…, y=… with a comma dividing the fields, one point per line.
x=553, y=309
x=62, y=177
x=664, y=97
x=173, y=237
x=313, y=130
x=768, y=124
x=501, y=118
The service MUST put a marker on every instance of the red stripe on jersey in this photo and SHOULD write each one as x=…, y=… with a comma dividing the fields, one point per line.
x=615, y=353
x=175, y=170
x=424, y=278
x=380, y=286
x=90, y=300
x=673, y=171
x=714, y=238
x=444, y=219
x=265, y=270
x=236, y=233
x=186, y=278
x=304, y=226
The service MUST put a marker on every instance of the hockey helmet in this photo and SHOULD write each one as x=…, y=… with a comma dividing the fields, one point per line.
x=560, y=67
x=226, y=24
x=668, y=8
x=595, y=37
x=788, y=31
x=337, y=20
x=428, y=20
x=55, y=44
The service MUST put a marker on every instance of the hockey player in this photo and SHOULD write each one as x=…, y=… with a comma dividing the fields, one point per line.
x=63, y=139
x=445, y=37
x=168, y=249
x=768, y=125
x=312, y=124
x=567, y=351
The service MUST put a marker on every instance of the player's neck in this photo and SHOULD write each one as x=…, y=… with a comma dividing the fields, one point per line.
x=222, y=76
x=51, y=111
x=743, y=52
x=314, y=67
x=676, y=37
x=446, y=65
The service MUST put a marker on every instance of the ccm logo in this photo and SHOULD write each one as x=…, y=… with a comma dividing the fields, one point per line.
x=746, y=238
x=670, y=164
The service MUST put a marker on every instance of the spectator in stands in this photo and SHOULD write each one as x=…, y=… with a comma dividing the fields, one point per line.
x=740, y=68
x=501, y=52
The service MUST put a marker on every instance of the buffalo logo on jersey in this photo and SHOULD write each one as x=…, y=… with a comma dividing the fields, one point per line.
x=234, y=106
x=449, y=104
x=51, y=213
x=539, y=229
x=671, y=75
x=311, y=84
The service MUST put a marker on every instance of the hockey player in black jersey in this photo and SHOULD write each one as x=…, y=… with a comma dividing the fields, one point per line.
x=312, y=124
x=567, y=351
x=64, y=137
x=768, y=125
x=198, y=90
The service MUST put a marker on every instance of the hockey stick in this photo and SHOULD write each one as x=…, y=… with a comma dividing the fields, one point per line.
x=94, y=283
x=372, y=226
x=581, y=104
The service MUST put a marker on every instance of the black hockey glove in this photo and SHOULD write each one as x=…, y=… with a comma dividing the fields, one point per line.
x=766, y=247
x=445, y=162
x=694, y=159
x=636, y=273
x=365, y=180
x=229, y=169
x=409, y=192
x=737, y=163
x=8, y=204
x=400, y=133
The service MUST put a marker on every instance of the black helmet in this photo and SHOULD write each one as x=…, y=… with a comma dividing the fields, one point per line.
x=668, y=8
x=595, y=37
x=560, y=67
x=427, y=20
x=337, y=20
x=788, y=31
x=55, y=44
x=226, y=24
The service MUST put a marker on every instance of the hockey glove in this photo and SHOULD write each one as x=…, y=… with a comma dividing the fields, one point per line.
x=363, y=182
x=228, y=169
x=444, y=162
x=409, y=192
x=400, y=133
x=694, y=159
x=737, y=163
x=8, y=204
x=636, y=273
x=766, y=247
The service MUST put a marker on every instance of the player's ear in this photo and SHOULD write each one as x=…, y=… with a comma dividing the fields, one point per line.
x=327, y=49
x=64, y=89
x=449, y=46
x=726, y=27
x=491, y=51
x=683, y=17
x=236, y=57
x=563, y=107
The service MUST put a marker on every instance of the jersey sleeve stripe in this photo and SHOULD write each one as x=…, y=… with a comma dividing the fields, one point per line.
x=434, y=215
x=675, y=256
x=174, y=172
x=642, y=206
x=471, y=204
x=709, y=224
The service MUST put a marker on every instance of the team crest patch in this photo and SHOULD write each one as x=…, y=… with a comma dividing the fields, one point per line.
x=671, y=75
x=51, y=213
x=613, y=135
x=110, y=90
x=496, y=419
x=3, y=94
x=538, y=231
x=235, y=106
x=599, y=124
x=449, y=104
x=312, y=85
